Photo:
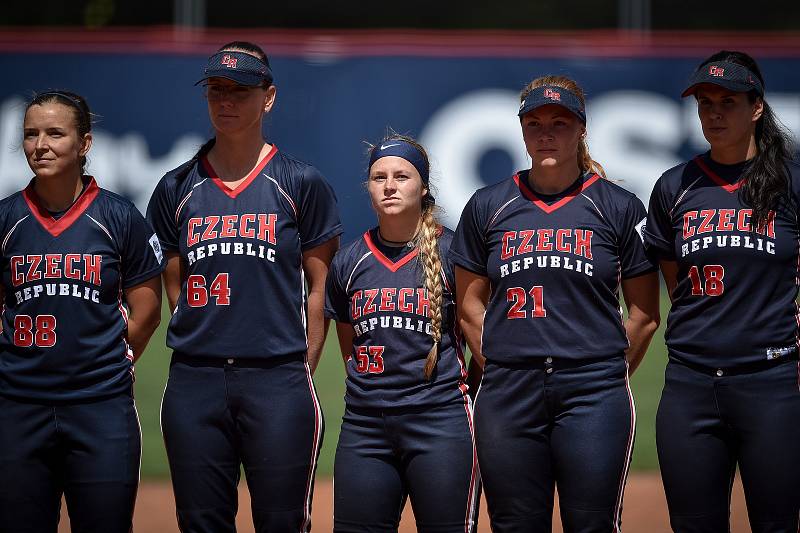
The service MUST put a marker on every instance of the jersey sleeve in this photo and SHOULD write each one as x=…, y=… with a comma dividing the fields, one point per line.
x=319, y=217
x=161, y=215
x=469, y=249
x=142, y=258
x=336, y=302
x=658, y=232
x=633, y=258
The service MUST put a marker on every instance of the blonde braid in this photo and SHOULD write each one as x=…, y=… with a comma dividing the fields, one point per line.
x=432, y=266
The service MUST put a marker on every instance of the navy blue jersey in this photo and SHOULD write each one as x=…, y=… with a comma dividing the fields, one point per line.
x=244, y=295
x=64, y=318
x=735, y=298
x=555, y=264
x=380, y=292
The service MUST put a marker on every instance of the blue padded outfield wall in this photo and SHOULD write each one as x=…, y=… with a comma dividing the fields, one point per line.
x=458, y=96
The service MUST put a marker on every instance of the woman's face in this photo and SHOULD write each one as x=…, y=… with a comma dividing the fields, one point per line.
x=51, y=141
x=728, y=118
x=551, y=134
x=395, y=187
x=233, y=107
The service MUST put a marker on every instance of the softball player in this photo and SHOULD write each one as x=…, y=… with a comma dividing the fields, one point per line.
x=540, y=258
x=725, y=227
x=407, y=427
x=243, y=225
x=81, y=298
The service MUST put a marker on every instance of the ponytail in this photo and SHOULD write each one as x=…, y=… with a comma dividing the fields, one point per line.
x=432, y=267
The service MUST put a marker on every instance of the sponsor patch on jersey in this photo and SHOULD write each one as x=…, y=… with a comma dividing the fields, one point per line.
x=777, y=353
x=156, y=247
x=641, y=227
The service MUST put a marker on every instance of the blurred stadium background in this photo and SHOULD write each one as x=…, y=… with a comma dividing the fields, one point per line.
x=445, y=72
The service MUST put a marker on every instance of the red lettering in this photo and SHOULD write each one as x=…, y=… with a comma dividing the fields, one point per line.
x=228, y=226
x=33, y=269
x=209, y=233
x=688, y=230
x=743, y=220
x=371, y=294
x=724, y=221
x=191, y=237
x=250, y=233
x=387, y=298
x=402, y=304
x=543, y=242
x=561, y=236
x=583, y=242
x=266, y=227
x=355, y=310
x=69, y=266
x=91, y=268
x=705, y=225
x=423, y=302
x=526, y=247
x=51, y=266
x=507, y=250
x=16, y=277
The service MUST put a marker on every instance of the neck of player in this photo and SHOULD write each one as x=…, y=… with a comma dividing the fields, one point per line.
x=57, y=193
x=553, y=179
x=730, y=154
x=399, y=229
x=235, y=156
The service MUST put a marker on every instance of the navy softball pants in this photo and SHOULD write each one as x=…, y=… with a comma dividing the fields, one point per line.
x=555, y=423
x=218, y=415
x=89, y=452
x=709, y=424
x=383, y=456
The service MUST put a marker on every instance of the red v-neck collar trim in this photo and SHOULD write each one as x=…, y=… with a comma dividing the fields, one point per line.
x=716, y=178
x=394, y=266
x=233, y=193
x=541, y=204
x=56, y=227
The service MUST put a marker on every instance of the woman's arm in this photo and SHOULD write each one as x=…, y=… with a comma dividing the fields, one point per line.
x=641, y=298
x=472, y=294
x=669, y=269
x=173, y=279
x=346, y=334
x=316, y=262
x=144, y=313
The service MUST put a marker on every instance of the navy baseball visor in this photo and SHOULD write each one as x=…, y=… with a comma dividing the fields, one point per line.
x=241, y=67
x=546, y=95
x=731, y=76
x=407, y=151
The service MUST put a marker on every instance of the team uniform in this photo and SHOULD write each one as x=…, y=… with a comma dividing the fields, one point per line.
x=68, y=423
x=554, y=405
x=401, y=435
x=732, y=390
x=240, y=390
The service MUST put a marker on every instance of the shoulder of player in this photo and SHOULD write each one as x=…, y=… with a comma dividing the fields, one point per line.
x=10, y=206
x=114, y=201
x=496, y=194
x=286, y=167
x=349, y=254
x=445, y=238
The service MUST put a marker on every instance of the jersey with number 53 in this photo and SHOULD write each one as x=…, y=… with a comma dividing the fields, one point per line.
x=244, y=293
x=64, y=318
x=734, y=302
x=554, y=263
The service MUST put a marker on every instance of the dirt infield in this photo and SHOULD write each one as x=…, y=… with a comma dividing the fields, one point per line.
x=645, y=509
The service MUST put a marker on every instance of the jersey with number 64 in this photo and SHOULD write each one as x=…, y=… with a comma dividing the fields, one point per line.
x=64, y=318
x=734, y=302
x=244, y=294
x=554, y=264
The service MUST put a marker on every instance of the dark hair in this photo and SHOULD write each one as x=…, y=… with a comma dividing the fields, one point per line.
x=765, y=181
x=83, y=117
x=248, y=48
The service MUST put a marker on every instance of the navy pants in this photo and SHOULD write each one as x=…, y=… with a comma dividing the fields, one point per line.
x=708, y=424
x=385, y=456
x=555, y=422
x=89, y=452
x=217, y=416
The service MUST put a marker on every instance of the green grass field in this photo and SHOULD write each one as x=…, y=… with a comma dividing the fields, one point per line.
x=151, y=375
